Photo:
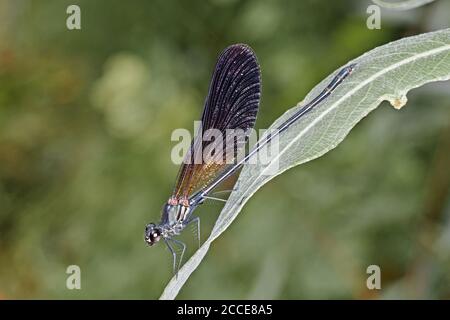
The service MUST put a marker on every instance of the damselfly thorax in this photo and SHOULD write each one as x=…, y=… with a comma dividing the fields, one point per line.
x=175, y=217
x=232, y=103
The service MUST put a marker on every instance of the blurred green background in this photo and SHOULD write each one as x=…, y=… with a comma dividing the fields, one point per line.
x=85, y=124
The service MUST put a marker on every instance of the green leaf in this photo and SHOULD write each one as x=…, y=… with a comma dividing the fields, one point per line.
x=401, y=5
x=384, y=73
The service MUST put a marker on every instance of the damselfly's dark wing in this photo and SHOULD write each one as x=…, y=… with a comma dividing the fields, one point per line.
x=232, y=103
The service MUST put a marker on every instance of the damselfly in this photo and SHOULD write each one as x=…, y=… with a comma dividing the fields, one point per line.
x=232, y=103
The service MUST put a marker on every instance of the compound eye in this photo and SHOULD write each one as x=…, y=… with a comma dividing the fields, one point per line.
x=149, y=227
x=155, y=236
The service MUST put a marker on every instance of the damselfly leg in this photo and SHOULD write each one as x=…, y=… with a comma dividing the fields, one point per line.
x=214, y=198
x=176, y=266
x=195, y=221
x=224, y=191
x=220, y=192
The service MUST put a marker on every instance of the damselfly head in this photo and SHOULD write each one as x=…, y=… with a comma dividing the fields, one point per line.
x=152, y=234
